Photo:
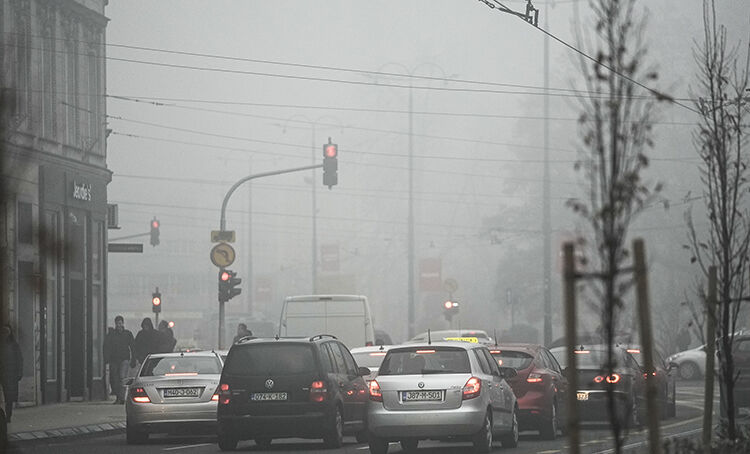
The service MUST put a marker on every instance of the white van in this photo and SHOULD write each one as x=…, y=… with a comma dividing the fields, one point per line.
x=347, y=317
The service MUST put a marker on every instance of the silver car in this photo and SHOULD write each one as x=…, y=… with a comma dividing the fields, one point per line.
x=444, y=391
x=173, y=392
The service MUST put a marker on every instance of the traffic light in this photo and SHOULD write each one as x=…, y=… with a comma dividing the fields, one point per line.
x=330, y=164
x=156, y=302
x=450, y=308
x=228, y=280
x=154, y=231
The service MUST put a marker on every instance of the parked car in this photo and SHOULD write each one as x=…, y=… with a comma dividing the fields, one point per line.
x=371, y=358
x=173, y=392
x=441, y=390
x=626, y=380
x=291, y=387
x=691, y=364
x=539, y=386
x=665, y=380
x=466, y=335
x=741, y=356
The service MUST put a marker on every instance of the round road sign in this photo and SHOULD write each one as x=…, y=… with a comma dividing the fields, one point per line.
x=450, y=285
x=222, y=255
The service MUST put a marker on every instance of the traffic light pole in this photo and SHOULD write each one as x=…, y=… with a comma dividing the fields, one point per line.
x=223, y=222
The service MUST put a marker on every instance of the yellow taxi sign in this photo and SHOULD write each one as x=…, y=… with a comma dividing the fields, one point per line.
x=473, y=340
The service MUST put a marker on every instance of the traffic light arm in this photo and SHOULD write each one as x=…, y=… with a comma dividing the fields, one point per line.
x=223, y=220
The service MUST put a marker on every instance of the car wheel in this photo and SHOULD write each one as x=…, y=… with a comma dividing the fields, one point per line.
x=227, y=442
x=264, y=442
x=483, y=439
x=548, y=431
x=134, y=436
x=689, y=371
x=335, y=437
x=377, y=445
x=510, y=440
x=409, y=445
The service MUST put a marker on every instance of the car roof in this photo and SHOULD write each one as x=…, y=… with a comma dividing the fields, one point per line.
x=458, y=344
x=203, y=353
x=285, y=340
x=371, y=349
x=526, y=348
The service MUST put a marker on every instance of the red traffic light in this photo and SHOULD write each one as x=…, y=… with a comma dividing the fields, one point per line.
x=224, y=276
x=170, y=324
x=330, y=151
x=156, y=301
x=448, y=304
x=155, y=224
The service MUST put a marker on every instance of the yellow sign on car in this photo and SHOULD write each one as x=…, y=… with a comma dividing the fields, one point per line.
x=473, y=340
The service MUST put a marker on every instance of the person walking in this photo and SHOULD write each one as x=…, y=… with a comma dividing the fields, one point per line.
x=168, y=340
x=147, y=341
x=242, y=331
x=118, y=352
x=11, y=368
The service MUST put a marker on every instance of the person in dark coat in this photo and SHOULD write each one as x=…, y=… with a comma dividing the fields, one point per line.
x=168, y=340
x=147, y=341
x=242, y=331
x=12, y=368
x=118, y=352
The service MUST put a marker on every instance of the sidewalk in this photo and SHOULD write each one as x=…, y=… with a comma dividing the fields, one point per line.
x=66, y=419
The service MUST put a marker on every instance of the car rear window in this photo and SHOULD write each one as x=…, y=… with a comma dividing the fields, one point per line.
x=509, y=358
x=369, y=359
x=180, y=366
x=267, y=359
x=425, y=360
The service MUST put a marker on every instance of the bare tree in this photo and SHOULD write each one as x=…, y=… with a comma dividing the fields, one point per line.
x=720, y=141
x=616, y=132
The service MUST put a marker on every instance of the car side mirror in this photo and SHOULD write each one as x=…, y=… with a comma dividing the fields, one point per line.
x=673, y=365
x=128, y=381
x=363, y=371
x=508, y=372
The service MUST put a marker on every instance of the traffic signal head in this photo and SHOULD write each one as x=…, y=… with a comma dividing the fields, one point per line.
x=155, y=231
x=330, y=164
x=156, y=302
x=228, y=281
x=450, y=308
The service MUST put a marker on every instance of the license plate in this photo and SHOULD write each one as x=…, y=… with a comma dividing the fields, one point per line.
x=182, y=392
x=582, y=396
x=421, y=396
x=268, y=396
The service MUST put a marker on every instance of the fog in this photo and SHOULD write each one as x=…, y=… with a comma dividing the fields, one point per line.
x=201, y=94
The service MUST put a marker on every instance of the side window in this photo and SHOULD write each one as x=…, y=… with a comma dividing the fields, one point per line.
x=482, y=362
x=351, y=365
x=491, y=361
x=338, y=358
x=327, y=358
x=552, y=361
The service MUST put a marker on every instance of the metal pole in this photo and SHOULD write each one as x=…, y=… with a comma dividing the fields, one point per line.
x=249, y=287
x=546, y=215
x=314, y=264
x=411, y=214
x=221, y=325
x=708, y=390
x=569, y=270
x=647, y=342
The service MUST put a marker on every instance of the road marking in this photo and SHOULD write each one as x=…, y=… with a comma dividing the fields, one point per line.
x=551, y=451
x=174, y=448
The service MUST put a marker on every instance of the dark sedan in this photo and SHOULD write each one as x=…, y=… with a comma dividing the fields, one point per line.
x=665, y=380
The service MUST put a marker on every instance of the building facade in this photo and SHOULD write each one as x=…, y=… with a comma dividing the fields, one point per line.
x=53, y=205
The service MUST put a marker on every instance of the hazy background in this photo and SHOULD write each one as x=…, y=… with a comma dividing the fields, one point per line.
x=478, y=155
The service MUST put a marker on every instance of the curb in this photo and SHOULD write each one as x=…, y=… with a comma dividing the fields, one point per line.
x=67, y=432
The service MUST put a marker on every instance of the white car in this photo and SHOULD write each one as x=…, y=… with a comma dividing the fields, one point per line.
x=370, y=357
x=691, y=364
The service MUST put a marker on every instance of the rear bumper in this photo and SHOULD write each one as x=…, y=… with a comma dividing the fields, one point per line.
x=533, y=409
x=244, y=427
x=151, y=416
x=465, y=420
x=595, y=408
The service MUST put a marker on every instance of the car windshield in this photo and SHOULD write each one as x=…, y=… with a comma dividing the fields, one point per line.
x=180, y=366
x=509, y=358
x=369, y=359
x=266, y=359
x=425, y=360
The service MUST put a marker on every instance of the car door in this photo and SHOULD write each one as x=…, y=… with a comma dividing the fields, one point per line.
x=343, y=384
x=502, y=393
x=355, y=388
x=559, y=381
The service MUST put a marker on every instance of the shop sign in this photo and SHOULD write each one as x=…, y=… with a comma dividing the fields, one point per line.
x=82, y=191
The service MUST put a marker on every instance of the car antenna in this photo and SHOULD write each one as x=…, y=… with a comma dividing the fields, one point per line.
x=276, y=336
x=429, y=337
x=381, y=347
x=494, y=334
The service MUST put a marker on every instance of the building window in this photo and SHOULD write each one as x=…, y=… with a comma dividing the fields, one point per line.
x=48, y=58
x=25, y=223
x=70, y=100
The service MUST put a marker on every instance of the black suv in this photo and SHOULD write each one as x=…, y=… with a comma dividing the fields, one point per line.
x=291, y=387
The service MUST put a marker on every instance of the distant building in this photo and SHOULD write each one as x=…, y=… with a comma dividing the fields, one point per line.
x=53, y=205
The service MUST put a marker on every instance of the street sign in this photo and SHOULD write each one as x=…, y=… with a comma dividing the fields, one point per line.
x=218, y=236
x=125, y=247
x=222, y=255
x=450, y=285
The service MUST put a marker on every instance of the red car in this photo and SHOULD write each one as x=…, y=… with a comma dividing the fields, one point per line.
x=539, y=386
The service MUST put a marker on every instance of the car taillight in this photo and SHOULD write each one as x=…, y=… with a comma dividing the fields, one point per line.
x=223, y=394
x=318, y=391
x=375, y=393
x=534, y=378
x=472, y=388
x=215, y=395
x=598, y=379
x=140, y=396
x=614, y=378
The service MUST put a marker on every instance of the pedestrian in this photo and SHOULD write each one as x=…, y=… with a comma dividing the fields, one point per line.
x=147, y=341
x=12, y=368
x=242, y=331
x=118, y=353
x=168, y=340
